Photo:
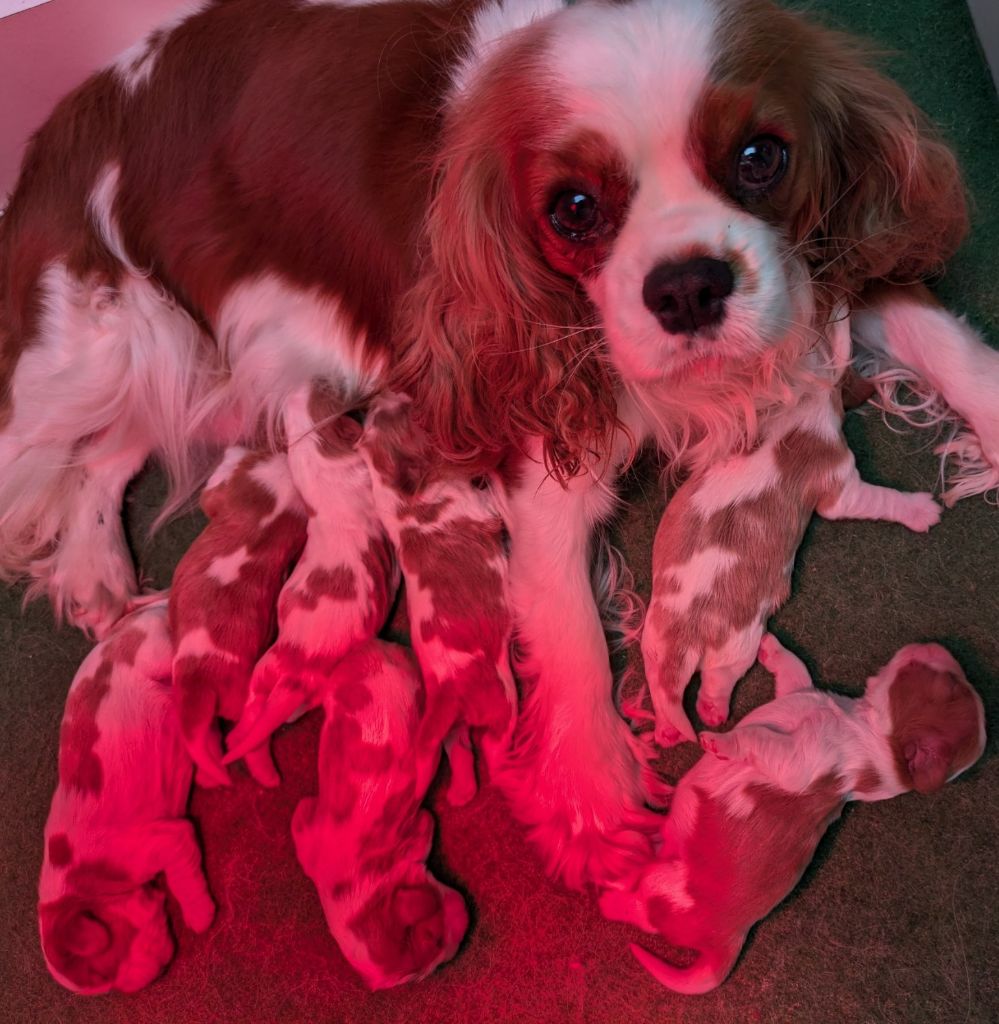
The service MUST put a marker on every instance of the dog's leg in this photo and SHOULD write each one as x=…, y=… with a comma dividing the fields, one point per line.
x=178, y=856
x=668, y=671
x=461, y=758
x=788, y=670
x=574, y=775
x=90, y=576
x=764, y=746
x=111, y=373
x=715, y=695
x=721, y=669
x=860, y=500
x=906, y=327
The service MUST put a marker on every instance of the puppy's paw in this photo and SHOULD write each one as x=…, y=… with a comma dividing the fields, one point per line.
x=667, y=735
x=717, y=743
x=770, y=651
x=712, y=711
x=199, y=913
x=920, y=512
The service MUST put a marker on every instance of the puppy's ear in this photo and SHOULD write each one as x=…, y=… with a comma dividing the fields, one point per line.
x=886, y=201
x=928, y=760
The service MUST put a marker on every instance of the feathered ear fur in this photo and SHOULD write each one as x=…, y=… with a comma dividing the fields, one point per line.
x=886, y=200
x=501, y=346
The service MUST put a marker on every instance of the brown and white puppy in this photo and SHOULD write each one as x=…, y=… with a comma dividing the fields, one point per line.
x=223, y=597
x=451, y=544
x=341, y=590
x=725, y=548
x=364, y=839
x=117, y=818
x=746, y=819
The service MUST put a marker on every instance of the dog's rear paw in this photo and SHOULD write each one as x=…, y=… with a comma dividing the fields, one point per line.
x=712, y=712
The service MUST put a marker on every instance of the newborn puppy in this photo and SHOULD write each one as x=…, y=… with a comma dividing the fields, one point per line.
x=364, y=840
x=117, y=818
x=451, y=543
x=222, y=600
x=746, y=819
x=725, y=548
x=340, y=591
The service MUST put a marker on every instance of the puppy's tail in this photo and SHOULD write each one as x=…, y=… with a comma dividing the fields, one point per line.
x=707, y=972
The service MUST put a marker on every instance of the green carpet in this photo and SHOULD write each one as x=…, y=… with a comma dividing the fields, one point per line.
x=895, y=922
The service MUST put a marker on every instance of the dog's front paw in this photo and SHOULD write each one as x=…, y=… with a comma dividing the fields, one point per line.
x=716, y=743
x=90, y=587
x=920, y=512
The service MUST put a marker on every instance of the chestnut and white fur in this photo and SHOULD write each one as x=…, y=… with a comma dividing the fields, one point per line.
x=223, y=597
x=117, y=820
x=746, y=819
x=725, y=548
x=364, y=839
x=542, y=221
x=451, y=543
x=342, y=587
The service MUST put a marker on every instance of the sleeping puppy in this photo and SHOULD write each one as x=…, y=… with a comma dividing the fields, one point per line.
x=117, y=819
x=725, y=548
x=746, y=819
x=451, y=544
x=223, y=596
x=341, y=590
x=364, y=840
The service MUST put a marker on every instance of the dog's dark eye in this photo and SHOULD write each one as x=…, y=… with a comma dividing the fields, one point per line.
x=761, y=164
x=575, y=215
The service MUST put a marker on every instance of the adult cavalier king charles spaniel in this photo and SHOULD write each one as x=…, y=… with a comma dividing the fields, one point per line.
x=561, y=229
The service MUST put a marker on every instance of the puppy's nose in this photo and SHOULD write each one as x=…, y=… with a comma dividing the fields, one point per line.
x=684, y=297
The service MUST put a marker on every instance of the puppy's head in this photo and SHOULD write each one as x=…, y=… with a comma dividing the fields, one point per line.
x=96, y=943
x=393, y=921
x=405, y=928
x=936, y=718
x=694, y=184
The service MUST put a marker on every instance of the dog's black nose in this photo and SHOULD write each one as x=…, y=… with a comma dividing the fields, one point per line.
x=684, y=297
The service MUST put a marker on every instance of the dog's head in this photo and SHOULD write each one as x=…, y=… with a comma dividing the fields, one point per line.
x=98, y=941
x=699, y=181
x=404, y=929
x=393, y=921
x=935, y=717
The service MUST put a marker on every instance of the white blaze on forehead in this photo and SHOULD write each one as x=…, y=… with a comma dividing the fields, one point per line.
x=634, y=71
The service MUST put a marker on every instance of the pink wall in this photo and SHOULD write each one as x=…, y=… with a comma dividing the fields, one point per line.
x=46, y=51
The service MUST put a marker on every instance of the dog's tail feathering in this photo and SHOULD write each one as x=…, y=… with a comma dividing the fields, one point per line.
x=707, y=972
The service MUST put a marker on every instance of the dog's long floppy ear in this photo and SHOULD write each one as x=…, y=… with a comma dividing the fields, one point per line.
x=500, y=345
x=886, y=200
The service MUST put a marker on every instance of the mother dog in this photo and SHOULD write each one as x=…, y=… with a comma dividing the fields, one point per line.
x=561, y=229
